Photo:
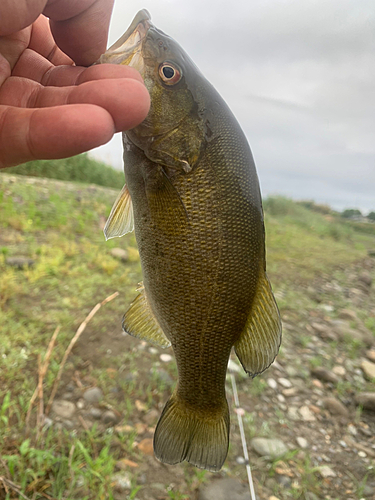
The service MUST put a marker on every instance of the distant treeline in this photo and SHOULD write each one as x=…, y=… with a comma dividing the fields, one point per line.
x=79, y=168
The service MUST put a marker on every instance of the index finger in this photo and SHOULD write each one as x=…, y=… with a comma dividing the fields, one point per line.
x=80, y=28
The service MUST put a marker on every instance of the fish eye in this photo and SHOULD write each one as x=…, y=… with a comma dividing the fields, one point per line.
x=169, y=73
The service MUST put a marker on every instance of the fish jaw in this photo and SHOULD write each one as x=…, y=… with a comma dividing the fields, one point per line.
x=128, y=48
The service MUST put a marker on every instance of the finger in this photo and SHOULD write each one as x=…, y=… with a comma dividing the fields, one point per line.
x=128, y=109
x=42, y=42
x=16, y=15
x=80, y=28
x=49, y=133
x=35, y=67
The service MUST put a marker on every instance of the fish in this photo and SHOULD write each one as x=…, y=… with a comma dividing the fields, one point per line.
x=192, y=195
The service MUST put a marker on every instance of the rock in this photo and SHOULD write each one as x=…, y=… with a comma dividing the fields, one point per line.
x=339, y=371
x=272, y=497
x=272, y=383
x=325, y=375
x=317, y=383
x=285, y=382
x=365, y=278
x=146, y=446
x=366, y=400
x=63, y=409
x=326, y=471
x=95, y=413
x=283, y=481
x=151, y=417
x=370, y=354
x=352, y=430
x=19, y=262
x=302, y=442
x=93, y=395
x=47, y=423
x=119, y=253
x=109, y=417
x=306, y=414
x=348, y=314
x=335, y=407
x=222, y=489
x=166, y=358
x=368, y=369
x=293, y=413
x=290, y=392
x=272, y=448
x=122, y=481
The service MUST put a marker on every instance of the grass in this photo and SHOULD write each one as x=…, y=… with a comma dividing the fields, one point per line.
x=59, y=226
x=81, y=168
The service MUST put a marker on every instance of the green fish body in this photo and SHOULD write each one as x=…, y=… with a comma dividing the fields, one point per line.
x=193, y=192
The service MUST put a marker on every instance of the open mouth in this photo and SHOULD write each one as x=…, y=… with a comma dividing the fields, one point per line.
x=128, y=49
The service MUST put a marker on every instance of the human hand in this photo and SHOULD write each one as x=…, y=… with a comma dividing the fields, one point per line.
x=49, y=107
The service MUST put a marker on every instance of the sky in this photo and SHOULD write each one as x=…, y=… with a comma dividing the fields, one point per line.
x=299, y=76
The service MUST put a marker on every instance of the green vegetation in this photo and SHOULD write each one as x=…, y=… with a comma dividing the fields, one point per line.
x=81, y=168
x=59, y=226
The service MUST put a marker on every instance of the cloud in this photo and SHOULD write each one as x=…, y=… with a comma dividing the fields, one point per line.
x=300, y=78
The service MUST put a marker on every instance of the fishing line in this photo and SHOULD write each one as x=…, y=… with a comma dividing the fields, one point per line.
x=240, y=411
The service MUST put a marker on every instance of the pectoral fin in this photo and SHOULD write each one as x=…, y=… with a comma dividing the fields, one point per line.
x=139, y=321
x=121, y=218
x=259, y=343
x=166, y=207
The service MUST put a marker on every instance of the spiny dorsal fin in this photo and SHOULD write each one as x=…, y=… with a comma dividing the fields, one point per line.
x=139, y=321
x=121, y=218
x=259, y=343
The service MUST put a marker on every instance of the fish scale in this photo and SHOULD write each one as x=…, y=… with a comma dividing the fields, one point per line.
x=193, y=192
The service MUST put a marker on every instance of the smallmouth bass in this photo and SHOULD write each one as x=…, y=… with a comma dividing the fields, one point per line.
x=193, y=196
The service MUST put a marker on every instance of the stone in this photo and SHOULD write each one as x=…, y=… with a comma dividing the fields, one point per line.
x=166, y=358
x=151, y=417
x=293, y=413
x=109, y=417
x=368, y=368
x=366, y=400
x=325, y=375
x=272, y=383
x=47, y=423
x=272, y=497
x=272, y=448
x=222, y=489
x=93, y=395
x=63, y=409
x=326, y=471
x=370, y=354
x=285, y=382
x=348, y=314
x=19, y=262
x=292, y=391
x=121, y=481
x=365, y=278
x=146, y=446
x=335, y=407
x=95, y=413
x=283, y=481
x=302, y=442
x=120, y=253
x=307, y=414
x=339, y=371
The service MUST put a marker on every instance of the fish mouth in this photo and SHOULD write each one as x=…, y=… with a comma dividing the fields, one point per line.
x=128, y=48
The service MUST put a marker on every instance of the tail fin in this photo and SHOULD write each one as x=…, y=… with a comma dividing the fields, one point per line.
x=200, y=437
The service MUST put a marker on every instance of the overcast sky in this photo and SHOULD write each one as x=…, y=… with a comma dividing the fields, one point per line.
x=300, y=78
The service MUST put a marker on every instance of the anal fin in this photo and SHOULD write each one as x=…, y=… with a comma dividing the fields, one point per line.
x=139, y=321
x=259, y=343
x=121, y=218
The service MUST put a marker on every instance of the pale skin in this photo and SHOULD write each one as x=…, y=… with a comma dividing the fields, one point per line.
x=52, y=103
